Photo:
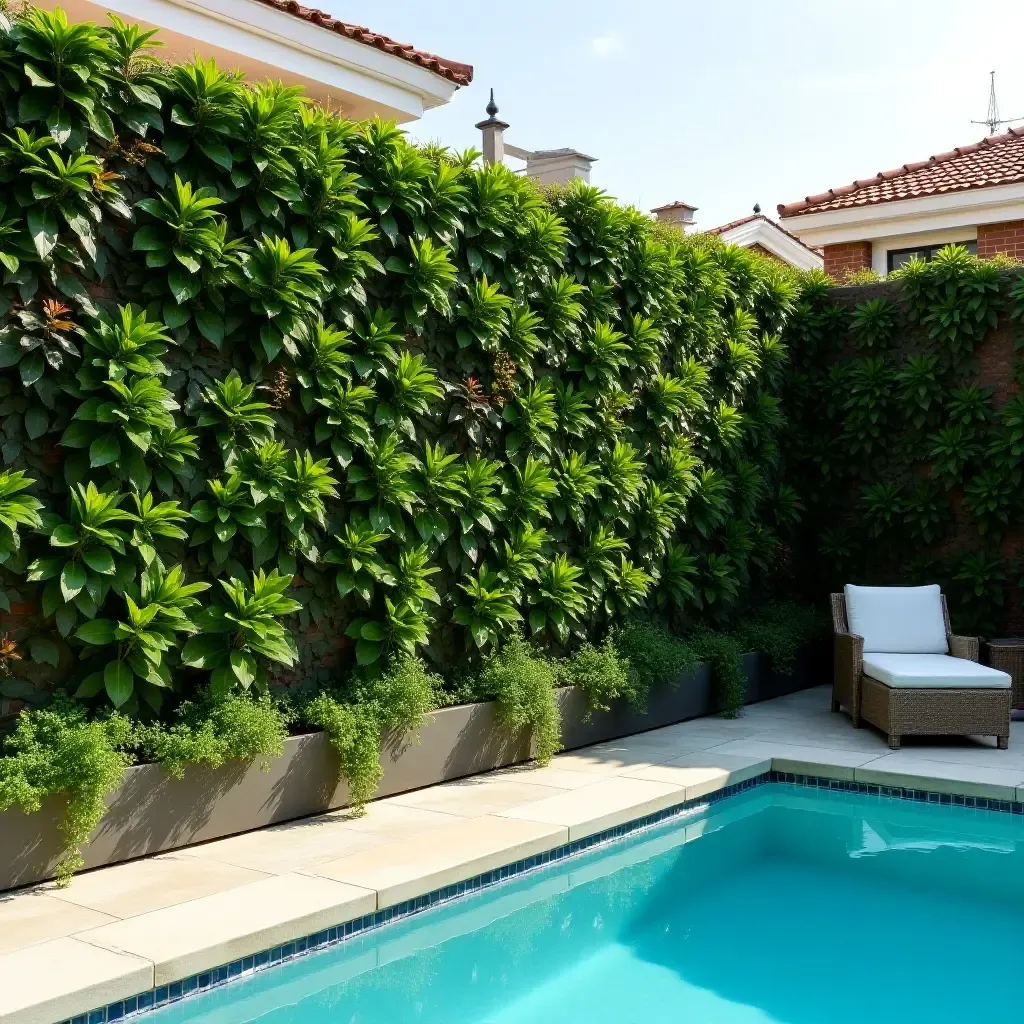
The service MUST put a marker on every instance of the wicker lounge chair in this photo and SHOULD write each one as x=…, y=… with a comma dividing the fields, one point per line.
x=909, y=675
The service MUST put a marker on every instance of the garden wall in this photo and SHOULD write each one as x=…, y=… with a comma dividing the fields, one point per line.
x=907, y=419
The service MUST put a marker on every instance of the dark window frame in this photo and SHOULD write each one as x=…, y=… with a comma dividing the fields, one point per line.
x=927, y=252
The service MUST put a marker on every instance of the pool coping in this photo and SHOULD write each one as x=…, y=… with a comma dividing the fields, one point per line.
x=142, y=1003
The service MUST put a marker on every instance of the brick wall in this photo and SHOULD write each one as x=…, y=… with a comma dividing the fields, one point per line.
x=762, y=251
x=845, y=257
x=1007, y=237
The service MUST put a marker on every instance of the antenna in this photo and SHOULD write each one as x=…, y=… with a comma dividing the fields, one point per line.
x=994, y=120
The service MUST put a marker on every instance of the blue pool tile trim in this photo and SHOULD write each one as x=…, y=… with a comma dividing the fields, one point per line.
x=145, y=1002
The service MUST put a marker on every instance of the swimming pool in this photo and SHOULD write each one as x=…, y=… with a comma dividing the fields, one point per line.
x=780, y=904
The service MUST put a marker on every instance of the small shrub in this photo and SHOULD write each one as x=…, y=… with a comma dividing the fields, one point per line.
x=55, y=750
x=402, y=695
x=217, y=730
x=722, y=652
x=780, y=630
x=654, y=656
x=523, y=684
x=863, y=275
x=601, y=673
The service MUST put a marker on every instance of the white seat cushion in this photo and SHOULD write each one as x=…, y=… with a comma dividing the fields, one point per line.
x=933, y=671
x=897, y=620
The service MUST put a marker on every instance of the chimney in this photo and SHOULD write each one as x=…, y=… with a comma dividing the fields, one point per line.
x=678, y=214
x=556, y=166
x=545, y=166
x=493, y=132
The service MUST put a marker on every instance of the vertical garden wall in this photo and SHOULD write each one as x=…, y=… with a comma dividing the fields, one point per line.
x=292, y=409
x=242, y=335
x=907, y=429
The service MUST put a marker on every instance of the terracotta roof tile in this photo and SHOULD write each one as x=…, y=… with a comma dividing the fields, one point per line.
x=460, y=74
x=996, y=160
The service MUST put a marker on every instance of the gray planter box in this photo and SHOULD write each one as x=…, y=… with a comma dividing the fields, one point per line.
x=151, y=811
x=765, y=683
x=687, y=696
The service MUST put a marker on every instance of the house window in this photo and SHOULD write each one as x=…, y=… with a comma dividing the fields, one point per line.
x=895, y=258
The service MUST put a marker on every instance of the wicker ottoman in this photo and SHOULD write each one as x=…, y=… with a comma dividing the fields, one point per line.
x=1007, y=655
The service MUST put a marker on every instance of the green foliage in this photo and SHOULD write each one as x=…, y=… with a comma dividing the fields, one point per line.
x=378, y=708
x=780, y=630
x=233, y=635
x=57, y=751
x=653, y=654
x=908, y=464
x=722, y=651
x=217, y=730
x=873, y=321
x=523, y=684
x=372, y=390
x=601, y=673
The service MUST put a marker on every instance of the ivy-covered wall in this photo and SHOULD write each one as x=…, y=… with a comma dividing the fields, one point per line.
x=241, y=335
x=907, y=431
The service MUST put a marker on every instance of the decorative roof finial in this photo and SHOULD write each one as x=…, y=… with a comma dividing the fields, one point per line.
x=757, y=207
x=492, y=107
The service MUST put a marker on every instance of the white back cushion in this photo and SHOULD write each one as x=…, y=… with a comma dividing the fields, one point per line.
x=897, y=620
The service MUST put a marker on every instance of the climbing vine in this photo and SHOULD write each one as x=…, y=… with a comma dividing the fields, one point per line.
x=907, y=455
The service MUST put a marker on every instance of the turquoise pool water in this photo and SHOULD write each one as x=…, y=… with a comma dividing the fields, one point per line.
x=780, y=904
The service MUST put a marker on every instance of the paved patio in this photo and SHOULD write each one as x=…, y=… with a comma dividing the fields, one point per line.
x=120, y=930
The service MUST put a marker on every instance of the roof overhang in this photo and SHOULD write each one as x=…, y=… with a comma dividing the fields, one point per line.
x=359, y=80
x=771, y=237
x=966, y=208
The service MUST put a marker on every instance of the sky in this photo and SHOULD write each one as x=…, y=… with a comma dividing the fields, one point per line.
x=720, y=104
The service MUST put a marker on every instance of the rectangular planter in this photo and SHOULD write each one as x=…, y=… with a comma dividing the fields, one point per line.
x=687, y=696
x=764, y=682
x=151, y=811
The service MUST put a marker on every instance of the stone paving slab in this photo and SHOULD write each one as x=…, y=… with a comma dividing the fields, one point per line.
x=121, y=929
x=413, y=867
x=182, y=940
x=63, y=977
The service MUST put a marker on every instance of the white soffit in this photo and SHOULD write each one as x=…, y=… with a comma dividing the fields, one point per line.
x=268, y=43
x=775, y=240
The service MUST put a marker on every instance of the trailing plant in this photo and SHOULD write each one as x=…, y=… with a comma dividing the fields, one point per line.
x=376, y=708
x=722, y=651
x=57, y=751
x=523, y=684
x=653, y=654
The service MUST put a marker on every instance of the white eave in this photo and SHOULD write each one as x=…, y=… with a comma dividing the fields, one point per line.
x=771, y=237
x=967, y=208
x=264, y=42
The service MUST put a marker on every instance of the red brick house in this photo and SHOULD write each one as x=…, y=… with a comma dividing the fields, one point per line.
x=972, y=195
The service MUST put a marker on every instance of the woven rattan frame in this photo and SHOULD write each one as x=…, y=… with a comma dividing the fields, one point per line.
x=899, y=711
x=1009, y=658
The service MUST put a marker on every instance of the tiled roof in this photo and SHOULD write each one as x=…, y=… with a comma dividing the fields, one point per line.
x=460, y=74
x=677, y=205
x=996, y=160
x=722, y=228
